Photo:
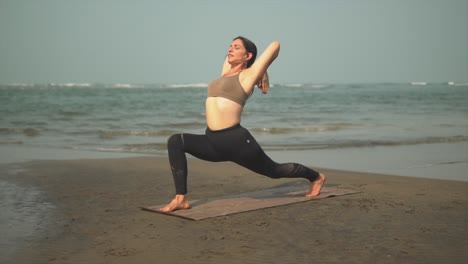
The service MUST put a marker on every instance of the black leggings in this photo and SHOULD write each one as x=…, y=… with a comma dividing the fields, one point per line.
x=234, y=144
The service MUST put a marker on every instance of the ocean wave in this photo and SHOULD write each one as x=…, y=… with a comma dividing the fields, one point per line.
x=160, y=148
x=293, y=85
x=360, y=144
x=188, y=85
x=458, y=83
x=18, y=142
x=145, y=148
x=289, y=130
x=188, y=125
x=304, y=85
x=71, y=113
x=126, y=85
x=205, y=85
x=28, y=131
x=114, y=134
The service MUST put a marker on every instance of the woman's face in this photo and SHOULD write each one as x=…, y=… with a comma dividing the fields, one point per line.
x=237, y=54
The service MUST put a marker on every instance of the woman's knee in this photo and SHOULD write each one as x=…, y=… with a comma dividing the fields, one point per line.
x=175, y=141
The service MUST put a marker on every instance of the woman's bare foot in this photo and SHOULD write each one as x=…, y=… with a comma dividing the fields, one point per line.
x=316, y=186
x=180, y=202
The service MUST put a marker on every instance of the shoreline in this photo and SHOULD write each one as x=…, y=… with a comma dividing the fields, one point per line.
x=87, y=211
x=446, y=161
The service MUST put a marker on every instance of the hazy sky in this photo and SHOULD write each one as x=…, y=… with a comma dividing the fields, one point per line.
x=137, y=41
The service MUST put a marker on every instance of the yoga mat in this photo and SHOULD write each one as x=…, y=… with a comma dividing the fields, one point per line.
x=249, y=201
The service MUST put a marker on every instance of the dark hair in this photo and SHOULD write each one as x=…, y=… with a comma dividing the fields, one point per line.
x=250, y=47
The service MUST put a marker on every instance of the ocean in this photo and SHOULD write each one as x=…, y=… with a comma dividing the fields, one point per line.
x=418, y=130
x=138, y=119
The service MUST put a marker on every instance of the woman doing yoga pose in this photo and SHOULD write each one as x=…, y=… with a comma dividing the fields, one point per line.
x=225, y=139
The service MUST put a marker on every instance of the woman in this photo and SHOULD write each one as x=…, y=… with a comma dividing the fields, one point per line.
x=225, y=139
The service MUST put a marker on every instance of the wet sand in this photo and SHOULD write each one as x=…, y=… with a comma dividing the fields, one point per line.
x=87, y=211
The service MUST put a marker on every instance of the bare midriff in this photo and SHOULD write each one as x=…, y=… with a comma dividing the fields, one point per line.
x=222, y=113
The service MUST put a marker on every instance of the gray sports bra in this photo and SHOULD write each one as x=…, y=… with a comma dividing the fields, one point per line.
x=228, y=87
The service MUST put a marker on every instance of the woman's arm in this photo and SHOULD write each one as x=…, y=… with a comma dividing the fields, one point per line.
x=264, y=61
x=256, y=74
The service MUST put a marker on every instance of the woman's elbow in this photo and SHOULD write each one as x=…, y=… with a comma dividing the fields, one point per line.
x=276, y=47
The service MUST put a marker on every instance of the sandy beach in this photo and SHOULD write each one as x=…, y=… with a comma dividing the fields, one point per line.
x=87, y=211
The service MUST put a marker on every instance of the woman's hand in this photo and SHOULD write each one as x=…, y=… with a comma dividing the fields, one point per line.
x=264, y=83
x=258, y=71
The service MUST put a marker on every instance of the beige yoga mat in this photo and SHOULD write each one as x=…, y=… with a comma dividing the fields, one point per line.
x=233, y=204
